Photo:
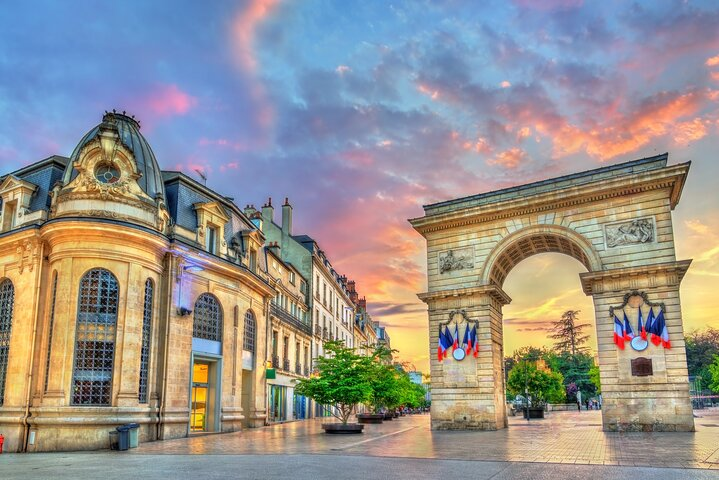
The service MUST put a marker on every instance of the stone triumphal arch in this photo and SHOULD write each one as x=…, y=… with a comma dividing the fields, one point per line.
x=617, y=222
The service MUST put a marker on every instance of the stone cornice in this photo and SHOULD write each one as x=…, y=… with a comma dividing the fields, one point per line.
x=669, y=177
x=492, y=290
x=619, y=279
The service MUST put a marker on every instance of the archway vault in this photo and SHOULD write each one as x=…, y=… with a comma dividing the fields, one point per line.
x=533, y=240
x=616, y=221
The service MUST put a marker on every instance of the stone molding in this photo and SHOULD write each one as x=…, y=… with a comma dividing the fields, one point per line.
x=669, y=177
x=493, y=291
x=634, y=278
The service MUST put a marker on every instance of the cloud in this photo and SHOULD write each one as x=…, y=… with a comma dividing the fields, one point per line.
x=166, y=101
x=511, y=158
x=243, y=31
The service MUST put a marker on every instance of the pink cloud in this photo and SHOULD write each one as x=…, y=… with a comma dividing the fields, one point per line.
x=713, y=61
x=510, y=159
x=169, y=100
x=243, y=31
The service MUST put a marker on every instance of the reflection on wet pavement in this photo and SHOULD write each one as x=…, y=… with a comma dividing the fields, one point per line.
x=563, y=437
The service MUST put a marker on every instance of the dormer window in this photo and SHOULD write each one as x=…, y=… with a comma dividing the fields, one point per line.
x=253, y=260
x=211, y=220
x=211, y=240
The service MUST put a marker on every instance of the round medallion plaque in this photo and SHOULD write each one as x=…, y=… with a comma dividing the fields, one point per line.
x=458, y=354
x=639, y=344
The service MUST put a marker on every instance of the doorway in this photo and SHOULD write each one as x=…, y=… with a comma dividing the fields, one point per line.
x=203, y=396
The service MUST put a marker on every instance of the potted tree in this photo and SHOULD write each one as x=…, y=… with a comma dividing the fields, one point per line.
x=342, y=381
x=385, y=387
x=540, y=385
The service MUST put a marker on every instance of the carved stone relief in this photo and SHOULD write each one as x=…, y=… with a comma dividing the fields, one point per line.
x=459, y=259
x=630, y=233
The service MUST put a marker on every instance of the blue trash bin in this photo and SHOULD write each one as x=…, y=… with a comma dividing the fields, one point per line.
x=134, y=434
x=123, y=437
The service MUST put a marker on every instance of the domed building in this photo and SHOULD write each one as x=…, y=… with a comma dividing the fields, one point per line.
x=128, y=294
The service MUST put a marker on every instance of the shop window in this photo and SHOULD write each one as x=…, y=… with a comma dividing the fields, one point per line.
x=207, y=322
x=95, y=338
x=248, y=342
x=7, y=304
x=146, y=331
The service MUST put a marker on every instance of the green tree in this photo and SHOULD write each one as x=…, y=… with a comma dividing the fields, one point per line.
x=701, y=346
x=714, y=372
x=594, y=378
x=569, y=334
x=543, y=386
x=343, y=380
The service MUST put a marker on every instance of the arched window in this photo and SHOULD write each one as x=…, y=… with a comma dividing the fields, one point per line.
x=208, y=318
x=248, y=342
x=7, y=303
x=145, y=349
x=50, y=327
x=95, y=338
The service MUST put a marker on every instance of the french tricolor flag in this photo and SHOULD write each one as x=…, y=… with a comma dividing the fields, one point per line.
x=640, y=327
x=618, y=333
x=660, y=329
x=628, y=331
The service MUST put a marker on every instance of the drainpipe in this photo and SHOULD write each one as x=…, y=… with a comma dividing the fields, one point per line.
x=168, y=274
x=26, y=415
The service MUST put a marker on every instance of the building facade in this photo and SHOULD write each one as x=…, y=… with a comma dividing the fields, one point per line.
x=290, y=341
x=127, y=294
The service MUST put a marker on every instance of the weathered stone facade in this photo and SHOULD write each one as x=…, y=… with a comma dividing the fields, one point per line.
x=86, y=355
x=617, y=222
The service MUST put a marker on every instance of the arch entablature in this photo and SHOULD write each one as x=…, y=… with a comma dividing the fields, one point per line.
x=533, y=240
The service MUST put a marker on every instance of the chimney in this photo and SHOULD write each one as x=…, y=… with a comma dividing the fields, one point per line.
x=363, y=303
x=249, y=210
x=351, y=286
x=256, y=219
x=268, y=211
x=287, y=217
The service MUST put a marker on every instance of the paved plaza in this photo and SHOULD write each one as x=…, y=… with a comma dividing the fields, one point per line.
x=564, y=445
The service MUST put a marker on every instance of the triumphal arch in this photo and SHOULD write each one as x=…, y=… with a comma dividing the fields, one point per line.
x=617, y=222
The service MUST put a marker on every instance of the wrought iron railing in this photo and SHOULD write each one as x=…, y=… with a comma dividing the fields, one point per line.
x=290, y=319
x=286, y=364
x=298, y=369
x=275, y=361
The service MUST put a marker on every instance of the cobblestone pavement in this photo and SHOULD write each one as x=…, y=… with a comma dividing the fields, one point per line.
x=403, y=448
x=562, y=437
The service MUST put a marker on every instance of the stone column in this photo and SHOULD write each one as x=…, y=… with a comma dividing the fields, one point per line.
x=657, y=402
x=129, y=338
x=468, y=394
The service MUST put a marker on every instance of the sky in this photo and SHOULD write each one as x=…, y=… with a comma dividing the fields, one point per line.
x=362, y=111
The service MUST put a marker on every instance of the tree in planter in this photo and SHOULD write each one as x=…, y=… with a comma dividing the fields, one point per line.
x=543, y=386
x=343, y=380
x=386, y=388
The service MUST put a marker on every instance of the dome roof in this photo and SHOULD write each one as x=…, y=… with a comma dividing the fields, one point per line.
x=129, y=131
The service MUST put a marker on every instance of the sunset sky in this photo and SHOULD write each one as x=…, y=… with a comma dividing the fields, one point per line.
x=361, y=112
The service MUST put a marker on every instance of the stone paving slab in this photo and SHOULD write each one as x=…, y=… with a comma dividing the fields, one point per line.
x=563, y=437
x=113, y=466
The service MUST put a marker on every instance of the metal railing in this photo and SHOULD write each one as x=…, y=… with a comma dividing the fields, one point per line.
x=286, y=364
x=298, y=369
x=287, y=317
x=275, y=361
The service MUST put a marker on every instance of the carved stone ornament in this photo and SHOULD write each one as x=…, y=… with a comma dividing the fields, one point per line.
x=27, y=252
x=630, y=233
x=453, y=260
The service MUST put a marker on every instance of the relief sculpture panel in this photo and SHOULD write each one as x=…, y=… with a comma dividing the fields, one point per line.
x=630, y=233
x=458, y=259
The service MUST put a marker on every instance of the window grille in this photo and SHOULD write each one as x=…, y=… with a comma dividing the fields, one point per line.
x=95, y=338
x=51, y=322
x=7, y=303
x=208, y=318
x=250, y=327
x=145, y=350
